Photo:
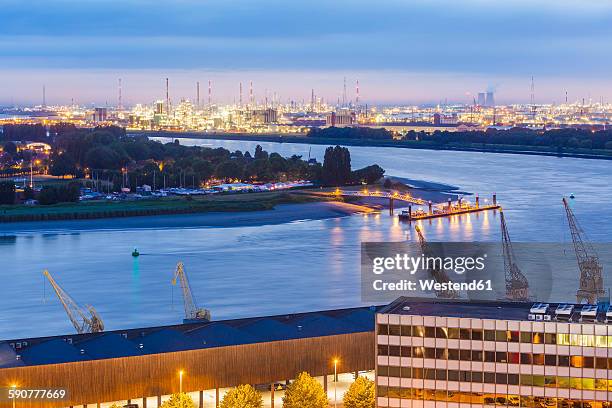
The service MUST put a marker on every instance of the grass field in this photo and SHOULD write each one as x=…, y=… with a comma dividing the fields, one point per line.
x=159, y=206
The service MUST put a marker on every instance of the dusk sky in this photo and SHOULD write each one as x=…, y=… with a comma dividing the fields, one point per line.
x=416, y=51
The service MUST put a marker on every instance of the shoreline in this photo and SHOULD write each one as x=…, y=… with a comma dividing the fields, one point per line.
x=302, y=139
x=280, y=214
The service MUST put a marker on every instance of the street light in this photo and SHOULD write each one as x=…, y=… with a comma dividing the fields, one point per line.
x=335, y=382
x=181, y=381
x=14, y=387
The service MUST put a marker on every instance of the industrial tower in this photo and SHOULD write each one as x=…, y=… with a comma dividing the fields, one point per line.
x=517, y=286
x=438, y=274
x=84, y=320
x=591, y=280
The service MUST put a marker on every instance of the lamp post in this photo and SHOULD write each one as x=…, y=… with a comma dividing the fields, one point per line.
x=181, y=381
x=31, y=173
x=14, y=387
x=335, y=382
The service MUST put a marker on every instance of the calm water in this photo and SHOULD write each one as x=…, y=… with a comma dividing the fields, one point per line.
x=300, y=266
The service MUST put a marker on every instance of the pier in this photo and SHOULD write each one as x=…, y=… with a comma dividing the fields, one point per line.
x=448, y=209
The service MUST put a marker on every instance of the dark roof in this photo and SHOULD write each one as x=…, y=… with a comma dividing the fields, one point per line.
x=108, y=346
x=218, y=335
x=497, y=310
x=270, y=330
x=51, y=352
x=189, y=336
x=167, y=340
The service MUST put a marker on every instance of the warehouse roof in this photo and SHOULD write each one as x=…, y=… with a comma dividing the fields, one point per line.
x=189, y=336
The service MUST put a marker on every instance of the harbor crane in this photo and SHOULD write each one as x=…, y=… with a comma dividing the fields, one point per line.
x=84, y=320
x=517, y=286
x=591, y=280
x=438, y=274
x=192, y=312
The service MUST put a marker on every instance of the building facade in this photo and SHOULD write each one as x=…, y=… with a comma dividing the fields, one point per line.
x=449, y=354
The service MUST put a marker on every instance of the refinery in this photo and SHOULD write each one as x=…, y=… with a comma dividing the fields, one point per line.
x=296, y=115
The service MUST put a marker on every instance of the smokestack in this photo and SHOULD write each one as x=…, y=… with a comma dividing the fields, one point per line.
x=44, y=95
x=209, y=92
x=167, y=98
x=312, y=100
x=120, y=106
x=240, y=97
x=198, y=94
x=251, y=98
x=357, y=96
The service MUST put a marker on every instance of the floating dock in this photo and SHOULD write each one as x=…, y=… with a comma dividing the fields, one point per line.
x=448, y=209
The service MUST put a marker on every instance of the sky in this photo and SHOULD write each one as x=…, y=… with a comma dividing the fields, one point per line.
x=401, y=51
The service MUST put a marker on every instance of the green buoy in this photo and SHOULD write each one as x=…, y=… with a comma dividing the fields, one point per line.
x=135, y=253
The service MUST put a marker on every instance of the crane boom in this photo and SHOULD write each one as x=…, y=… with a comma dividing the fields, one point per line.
x=591, y=279
x=517, y=286
x=192, y=312
x=438, y=274
x=84, y=320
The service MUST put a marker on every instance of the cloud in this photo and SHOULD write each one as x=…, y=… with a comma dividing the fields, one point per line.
x=489, y=39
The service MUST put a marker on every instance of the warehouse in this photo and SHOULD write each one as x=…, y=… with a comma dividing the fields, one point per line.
x=140, y=366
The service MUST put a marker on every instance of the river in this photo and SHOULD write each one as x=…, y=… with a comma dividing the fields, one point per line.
x=299, y=266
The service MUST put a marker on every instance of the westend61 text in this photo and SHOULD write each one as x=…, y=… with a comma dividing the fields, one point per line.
x=432, y=285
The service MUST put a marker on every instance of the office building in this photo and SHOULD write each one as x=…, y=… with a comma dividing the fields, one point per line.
x=448, y=354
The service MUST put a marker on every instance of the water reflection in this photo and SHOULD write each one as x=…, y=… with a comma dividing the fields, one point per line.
x=310, y=265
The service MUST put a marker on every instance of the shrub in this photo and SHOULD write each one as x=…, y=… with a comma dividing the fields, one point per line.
x=243, y=396
x=178, y=400
x=305, y=392
x=360, y=394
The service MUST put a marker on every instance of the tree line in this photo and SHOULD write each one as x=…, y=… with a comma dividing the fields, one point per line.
x=559, y=138
x=115, y=160
x=568, y=138
x=304, y=392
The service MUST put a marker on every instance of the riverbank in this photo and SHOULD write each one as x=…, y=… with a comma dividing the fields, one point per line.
x=156, y=206
x=280, y=214
x=405, y=144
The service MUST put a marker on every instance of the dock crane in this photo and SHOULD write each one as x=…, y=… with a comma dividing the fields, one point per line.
x=438, y=274
x=517, y=286
x=192, y=312
x=591, y=280
x=84, y=320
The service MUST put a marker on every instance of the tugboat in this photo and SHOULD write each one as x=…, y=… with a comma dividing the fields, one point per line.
x=135, y=253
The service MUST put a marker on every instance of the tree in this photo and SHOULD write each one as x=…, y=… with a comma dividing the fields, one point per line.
x=59, y=194
x=360, y=394
x=305, y=392
x=336, y=166
x=229, y=170
x=369, y=174
x=243, y=396
x=102, y=157
x=62, y=165
x=178, y=400
x=10, y=148
x=260, y=153
x=7, y=192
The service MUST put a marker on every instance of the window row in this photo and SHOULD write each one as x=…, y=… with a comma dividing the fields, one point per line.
x=513, y=336
x=577, y=383
x=505, y=400
x=496, y=357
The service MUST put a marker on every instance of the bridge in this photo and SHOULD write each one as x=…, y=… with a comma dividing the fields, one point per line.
x=395, y=195
x=433, y=210
x=390, y=195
